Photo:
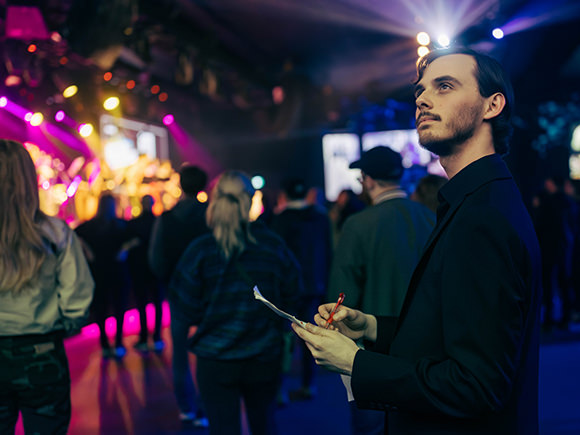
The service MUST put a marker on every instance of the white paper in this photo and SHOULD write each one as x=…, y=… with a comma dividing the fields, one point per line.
x=277, y=310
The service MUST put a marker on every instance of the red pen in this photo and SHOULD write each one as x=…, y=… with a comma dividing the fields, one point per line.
x=330, y=318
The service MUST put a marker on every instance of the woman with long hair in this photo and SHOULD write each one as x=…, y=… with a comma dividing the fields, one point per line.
x=238, y=342
x=45, y=292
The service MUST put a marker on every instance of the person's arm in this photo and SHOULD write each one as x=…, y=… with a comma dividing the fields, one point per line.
x=75, y=284
x=485, y=314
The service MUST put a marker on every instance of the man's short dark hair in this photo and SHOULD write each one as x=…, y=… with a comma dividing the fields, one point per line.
x=491, y=78
x=192, y=179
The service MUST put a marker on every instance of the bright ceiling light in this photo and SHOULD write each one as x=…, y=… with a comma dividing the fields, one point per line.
x=423, y=38
x=202, y=196
x=3, y=101
x=85, y=130
x=443, y=41
x=36, y=119
x=497, y=33
x=422, y=51
x=258, y=182
x=168, y=119
x=70, y=91
x=111, y=103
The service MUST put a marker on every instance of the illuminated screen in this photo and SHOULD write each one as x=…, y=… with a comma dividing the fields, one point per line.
x=338, y=151
x=574, y=161
x=124, y=140
x=405, y=142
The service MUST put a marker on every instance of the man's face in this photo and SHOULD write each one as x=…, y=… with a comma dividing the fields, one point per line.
x=449, y=105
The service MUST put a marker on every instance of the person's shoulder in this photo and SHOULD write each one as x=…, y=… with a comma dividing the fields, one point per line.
x=56, y=230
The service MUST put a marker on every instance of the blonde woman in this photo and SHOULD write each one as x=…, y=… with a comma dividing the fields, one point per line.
x=238, y=341
x=45, y=292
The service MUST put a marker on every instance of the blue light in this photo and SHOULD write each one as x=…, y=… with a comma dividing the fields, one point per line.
x=258, y=182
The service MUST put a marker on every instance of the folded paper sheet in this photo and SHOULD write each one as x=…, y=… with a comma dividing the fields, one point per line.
x=278, y=311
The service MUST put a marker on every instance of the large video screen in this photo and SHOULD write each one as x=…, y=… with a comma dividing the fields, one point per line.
x=124, y=140
x=338, y=151
x=574, y=161
x=405, y=142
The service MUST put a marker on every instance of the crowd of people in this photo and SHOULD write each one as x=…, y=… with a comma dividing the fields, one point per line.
x=440, y=324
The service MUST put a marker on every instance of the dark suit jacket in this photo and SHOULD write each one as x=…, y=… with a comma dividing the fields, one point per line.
x=463, y=355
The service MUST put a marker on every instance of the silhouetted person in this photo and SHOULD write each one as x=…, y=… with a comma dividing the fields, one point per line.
x=427, y=189
x=103, y=237
x=45, y=293
x=172, y=233
x=145, y=284
x=555, y=224
x=307, y=232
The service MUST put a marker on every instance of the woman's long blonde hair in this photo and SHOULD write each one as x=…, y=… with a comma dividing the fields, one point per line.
x=228, y=213
x=22, y=250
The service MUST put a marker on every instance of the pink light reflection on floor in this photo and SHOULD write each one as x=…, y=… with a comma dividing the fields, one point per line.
x=130, y=323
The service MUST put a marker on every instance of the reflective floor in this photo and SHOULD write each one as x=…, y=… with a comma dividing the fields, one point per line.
x=134, y=395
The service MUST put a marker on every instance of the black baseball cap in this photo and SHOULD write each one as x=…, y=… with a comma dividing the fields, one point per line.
x=381, y=163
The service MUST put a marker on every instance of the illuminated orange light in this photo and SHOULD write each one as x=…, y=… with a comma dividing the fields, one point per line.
x=163, y=96
x=32, y=48
x=108, y=76
x=155, y=89
x=202, y=196
x=130, y=84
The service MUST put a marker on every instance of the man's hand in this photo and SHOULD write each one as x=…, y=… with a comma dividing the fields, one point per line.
x=330, y=348
x=352, y=323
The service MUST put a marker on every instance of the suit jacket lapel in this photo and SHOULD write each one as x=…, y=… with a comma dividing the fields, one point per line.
x=426, y=254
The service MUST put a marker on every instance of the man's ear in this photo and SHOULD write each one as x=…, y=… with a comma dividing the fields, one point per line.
x=494, y=105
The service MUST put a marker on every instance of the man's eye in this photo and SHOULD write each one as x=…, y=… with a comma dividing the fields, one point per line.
x=444, y=86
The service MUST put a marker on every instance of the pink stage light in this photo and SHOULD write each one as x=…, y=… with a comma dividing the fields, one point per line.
x=59, y=117
x=168, y=119
x=3, y=101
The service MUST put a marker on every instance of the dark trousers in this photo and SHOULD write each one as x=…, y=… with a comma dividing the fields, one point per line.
x=183, y=386
x=556, y=277
x=109, y=296
x=223, y=383
x=146, y=289
x=34, y=380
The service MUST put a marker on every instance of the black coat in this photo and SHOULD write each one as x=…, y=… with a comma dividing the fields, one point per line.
x=463, y=355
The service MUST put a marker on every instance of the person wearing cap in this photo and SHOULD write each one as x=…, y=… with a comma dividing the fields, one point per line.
x=377, y=251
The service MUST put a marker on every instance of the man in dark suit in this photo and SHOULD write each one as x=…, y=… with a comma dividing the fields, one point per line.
x=462, y=357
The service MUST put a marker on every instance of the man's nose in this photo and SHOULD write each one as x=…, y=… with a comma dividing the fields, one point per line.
x=423, y=102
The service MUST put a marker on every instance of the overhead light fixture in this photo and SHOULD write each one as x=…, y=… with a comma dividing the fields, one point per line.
x=422, y=51
x=85, y=130
x=36, y=119
x=423, y=38
x=70, y=91
x=497, y=33
x=111, y=103
x=443, y=41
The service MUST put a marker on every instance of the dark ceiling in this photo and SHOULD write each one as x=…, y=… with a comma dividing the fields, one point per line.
x=226, y=56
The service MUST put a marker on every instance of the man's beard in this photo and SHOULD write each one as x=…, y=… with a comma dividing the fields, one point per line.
x=461, y=130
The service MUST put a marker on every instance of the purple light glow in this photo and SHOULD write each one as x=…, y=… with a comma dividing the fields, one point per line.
x=59, y=117
x=168, y=119
x=73, y=186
